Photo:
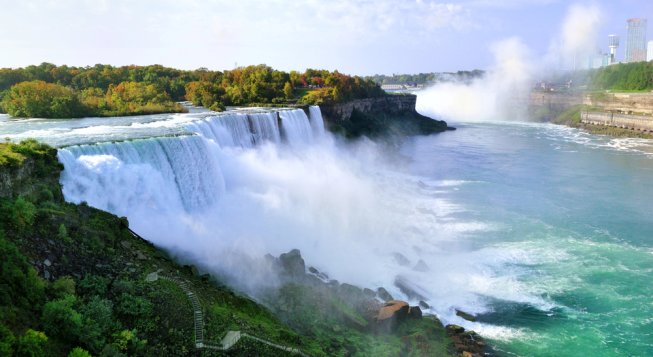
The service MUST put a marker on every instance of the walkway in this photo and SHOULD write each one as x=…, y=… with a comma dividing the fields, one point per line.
x=231, y=338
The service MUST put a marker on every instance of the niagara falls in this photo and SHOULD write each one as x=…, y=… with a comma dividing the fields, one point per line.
x=454, y=181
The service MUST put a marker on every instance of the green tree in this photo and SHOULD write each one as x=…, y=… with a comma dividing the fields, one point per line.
x=7, y=341
x=79, y=352
x=38, y=99
x=60, y=319
x=32, y=344
x=288, y=90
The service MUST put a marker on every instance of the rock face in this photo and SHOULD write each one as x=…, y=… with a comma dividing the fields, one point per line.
x=391, y=104
x=293, y=263
x=467, y=343
x=382, y=116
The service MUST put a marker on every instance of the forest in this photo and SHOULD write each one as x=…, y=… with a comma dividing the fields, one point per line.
x=51, y=91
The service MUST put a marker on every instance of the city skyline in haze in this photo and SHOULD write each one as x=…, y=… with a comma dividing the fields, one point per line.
x=358, y=37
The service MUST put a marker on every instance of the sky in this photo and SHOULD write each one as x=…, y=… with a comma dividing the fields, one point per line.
x=361, y=37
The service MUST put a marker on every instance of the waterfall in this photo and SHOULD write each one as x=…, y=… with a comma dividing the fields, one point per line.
x=184, y=171
x=265, y=127
x=317, y=123
x=296, y=127
x=158, y=174
x=225, y=129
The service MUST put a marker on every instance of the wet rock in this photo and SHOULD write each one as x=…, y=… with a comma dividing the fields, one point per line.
x=421, y=266
x=369, y=293
x=401, y=259
x=391, y=315
x=466, y=316
x=292, y=263
x=467, y=341
x=383, y=294
x=408, y=288
x=454, y=329
x=415, y=312
x=424, y=305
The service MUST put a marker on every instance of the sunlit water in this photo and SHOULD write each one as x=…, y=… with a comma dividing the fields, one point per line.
x=544, y=232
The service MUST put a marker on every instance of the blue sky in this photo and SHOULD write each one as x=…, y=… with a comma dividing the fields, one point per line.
x=359, y=37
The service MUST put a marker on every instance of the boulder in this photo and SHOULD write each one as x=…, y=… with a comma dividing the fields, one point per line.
x=401, y=259
x=415, y=312
x=411, y=290
x=292, y=263
x=421, y=266
x=383, y=294
x=424, y=305
x=466, y=316
x=391, y=315
x=467, y=341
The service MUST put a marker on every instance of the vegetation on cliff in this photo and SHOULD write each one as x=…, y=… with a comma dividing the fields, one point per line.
x=74, y=283
x=53, y=91
x=636, y=76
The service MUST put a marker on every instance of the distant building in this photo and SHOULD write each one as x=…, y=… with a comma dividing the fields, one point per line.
x=636, y=40
x=613, y=44
x=649, y=52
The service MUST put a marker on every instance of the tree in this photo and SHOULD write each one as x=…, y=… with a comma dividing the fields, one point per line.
x=287, y=90
x=38, y=99
x=32, y=344
x=79, y=352
x=61, y=320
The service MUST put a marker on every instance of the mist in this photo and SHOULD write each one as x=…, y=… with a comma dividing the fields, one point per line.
x=502, y=93
x=350, y=208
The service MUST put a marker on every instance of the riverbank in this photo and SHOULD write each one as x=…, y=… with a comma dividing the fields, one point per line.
x=603, y=113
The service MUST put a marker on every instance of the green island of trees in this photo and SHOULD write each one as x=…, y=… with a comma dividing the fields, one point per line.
x=49, y=91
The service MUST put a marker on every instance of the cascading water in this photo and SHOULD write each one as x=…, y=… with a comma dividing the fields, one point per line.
x=296, y=127
x=158, y=174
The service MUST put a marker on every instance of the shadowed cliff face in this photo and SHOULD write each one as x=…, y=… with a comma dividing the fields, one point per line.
x=376, y=117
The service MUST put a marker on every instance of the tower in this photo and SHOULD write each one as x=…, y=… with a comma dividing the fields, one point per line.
x=636, y=40
x=613, y=44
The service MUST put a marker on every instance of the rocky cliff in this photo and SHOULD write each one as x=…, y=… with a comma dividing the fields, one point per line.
x=387, y=115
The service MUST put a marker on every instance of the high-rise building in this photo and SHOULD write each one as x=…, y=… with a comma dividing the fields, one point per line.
x=649, y=52
x=636, y=40
x=613, y=43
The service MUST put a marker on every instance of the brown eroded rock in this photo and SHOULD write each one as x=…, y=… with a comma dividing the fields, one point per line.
x=391, y=314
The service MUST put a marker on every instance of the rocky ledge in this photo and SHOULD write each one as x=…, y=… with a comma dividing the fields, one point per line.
x=381, y=116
